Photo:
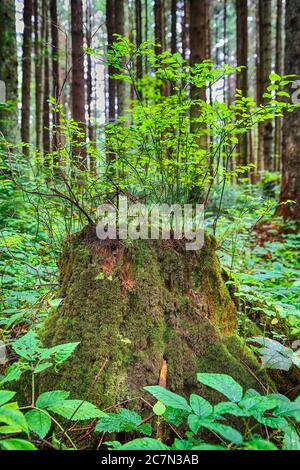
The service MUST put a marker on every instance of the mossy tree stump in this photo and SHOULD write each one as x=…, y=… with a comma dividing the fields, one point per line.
x=133, y=305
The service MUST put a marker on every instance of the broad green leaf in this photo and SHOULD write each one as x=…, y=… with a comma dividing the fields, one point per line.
x=38, y=422
x=5, y=396
x=76, y=410
x=50, y=398
x=144, y=443
x=145, y=429
x=291, y=440
x=16, y=444
x=168, y=398
x=123, y=420
x=200, y=406
x=61, y=352
x=227, y=407
x=222, y=383
x=274, y=77
x=27, y=346
x=259, y=444
x=227, y=432
x=13, y=417
x=195, y=423
x=159, y=408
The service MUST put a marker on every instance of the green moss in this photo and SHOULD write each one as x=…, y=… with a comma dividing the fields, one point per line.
x=161, y=303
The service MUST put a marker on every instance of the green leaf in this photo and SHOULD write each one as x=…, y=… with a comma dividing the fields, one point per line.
x=124, y=420
x=222, y=383
x=274, y=77
x=16, y=444
x=5, y=396
x=50, y=398
x=195, y=423
x=227, y=407
x=259, y=444
x=227, y=432
x=13, y=417
x=200, y=406
x=291, y=440
x=76, y=410
x=159, y=408
x=38, y=422
x=145, y=429
x=144, y=443
x=27, y=346
x=168, y=398
x=61, y=352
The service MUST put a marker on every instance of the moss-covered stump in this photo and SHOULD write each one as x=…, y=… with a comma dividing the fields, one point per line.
x=134, y=304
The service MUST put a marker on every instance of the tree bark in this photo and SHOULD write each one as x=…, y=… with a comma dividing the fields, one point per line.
x=78, y=83
x=279, y=70
x=242, y=59
x=46, y=91
x=265, y=66
x=9, y=69
x=138, y=27
x=120, y=29
x=158, y=26
x=110, y=24
x=26, y=75
x=290, y=183
x=173, y=26
x=38, y=75
x=199, y=51
x=55, y=70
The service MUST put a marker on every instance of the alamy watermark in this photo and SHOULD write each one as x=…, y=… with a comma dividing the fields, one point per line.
x=160, y=221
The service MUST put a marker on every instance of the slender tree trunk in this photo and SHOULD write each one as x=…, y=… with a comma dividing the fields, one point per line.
x=89, y=88
x=38, y=75
x=77, y=89
x=173, y=26
x=138, y=27
x=265, y=65
x=184, y=28
x=242, y=59
x=110, y=24
x=26, y=75
x=199, y=22
x=290, y=183
x=55, y=70
x=46, y=91
x=158, y=26
x=279, y=70
x=120, y=29
x=9, y=69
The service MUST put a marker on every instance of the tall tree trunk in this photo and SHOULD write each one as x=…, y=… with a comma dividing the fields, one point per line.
x=46, y=95
x=290, y=183
x=9, y=69
x=199, y=46
x=173, y=26
x=38, y=75
x=242, y=59
x=55, y=70
x=77, y=89
x=279, y=70
x=26, y=75
x=184, y=28
x=138, y=27
x=89, y=87
x=158, y=26
x=120, y=29
x=110, y=24
x=265, y=65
